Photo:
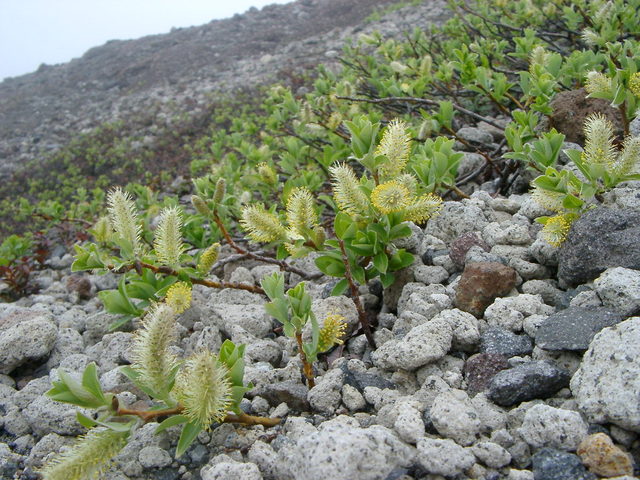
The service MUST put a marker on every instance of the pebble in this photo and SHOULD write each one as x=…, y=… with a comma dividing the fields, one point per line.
x=528, y=381
x=481, y=283
x=573, y=328
x=603, y=458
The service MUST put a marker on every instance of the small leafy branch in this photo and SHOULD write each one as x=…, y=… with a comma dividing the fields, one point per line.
x=293, y=310
x=600, y=167
x=371, y=211
x=195, y=393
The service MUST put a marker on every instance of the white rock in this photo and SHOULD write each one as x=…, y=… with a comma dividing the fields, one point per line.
x=263, y=455
x=491, y=454
x=506, y=233
x=231, y=471
x=520, y=475
x=429, y=274
x=325, y=396
x=509, y=312
x=423, y=344
x=252, y=318
x=455, y=417
x=619, y=288
x=31, y=339
x=455, y=219
x=408, y=423
x=154, y=457
x=342, y=452
x=444, y=457
x=352, y=398
x=545, y=426
x=607, y=384
x=466, y=333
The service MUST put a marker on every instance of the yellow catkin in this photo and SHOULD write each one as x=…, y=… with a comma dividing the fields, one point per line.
x=179, y=296
x=396, y=146
x=332, y=332
x=423, y=208
x=261, y=225
x=390, y=197
x=203, y=389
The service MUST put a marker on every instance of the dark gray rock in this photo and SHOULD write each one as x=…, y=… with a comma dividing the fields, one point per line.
x=481, y=368
x=551, y=464
x=504, y=342
x=574, y=328
x=292, y=393
x=600, y=239
x=525, y=382
x=360, y=380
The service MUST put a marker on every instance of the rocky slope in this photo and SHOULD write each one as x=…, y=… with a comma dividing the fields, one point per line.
x=497, y=356
x=159, y=75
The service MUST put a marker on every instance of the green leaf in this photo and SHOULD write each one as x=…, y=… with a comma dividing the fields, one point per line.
x=77, y=389
x=134, y=376
x=400, y=231
x=359, y=274
x=341, y=224
x=387, y=279
x=189, y=433
x=381, y=262
x=91, y=383
x=85, y=421
x=340, y=287
x=330, y=266
x=171, y=422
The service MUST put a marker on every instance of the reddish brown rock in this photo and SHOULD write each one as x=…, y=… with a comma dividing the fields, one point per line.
x=570, y=109
x=603, y=458
x=481, y=283
x=481, y=368
x=461, y=245
x=79, y=284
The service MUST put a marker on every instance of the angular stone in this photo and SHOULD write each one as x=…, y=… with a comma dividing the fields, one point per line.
x=574, y=328
x=481, y=368
x=292, y=393
x=550, y=464
x=584, y=255
x=423, y=344
x=31, y=339
x=604, y=458
x=504, y=342
x=528, y=381
x=444, y=457
x=454, y=416
x=545, y=426
x=341, y=452
x=607, y=384
x=461, y=245
x=481, y=284
x=619, y=289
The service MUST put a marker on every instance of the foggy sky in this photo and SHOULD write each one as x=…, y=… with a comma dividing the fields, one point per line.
x=33, y=32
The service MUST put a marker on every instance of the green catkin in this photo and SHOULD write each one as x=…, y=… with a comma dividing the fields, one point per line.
x=88, y=458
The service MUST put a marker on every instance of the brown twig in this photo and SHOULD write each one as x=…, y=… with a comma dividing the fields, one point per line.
x=424, y=101
x=274, y=261
x=307, y=368
x=148, y=415
x=138, y=266
x=362, y=316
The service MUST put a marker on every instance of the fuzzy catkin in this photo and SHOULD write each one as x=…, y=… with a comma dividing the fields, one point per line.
x=168, y=238
x=150, y=351
x=88, y=458
x=124, y=218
